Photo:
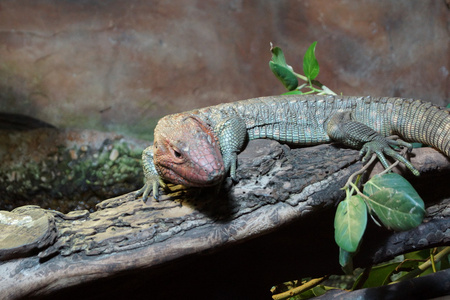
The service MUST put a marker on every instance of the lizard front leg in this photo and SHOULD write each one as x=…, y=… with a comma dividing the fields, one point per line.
x=152, y=180
x=341, y=128
x=231, y=133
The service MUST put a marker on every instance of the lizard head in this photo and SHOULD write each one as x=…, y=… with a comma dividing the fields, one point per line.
x=186, y=152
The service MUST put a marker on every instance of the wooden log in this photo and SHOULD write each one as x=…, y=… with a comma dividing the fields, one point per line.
x=277, y=220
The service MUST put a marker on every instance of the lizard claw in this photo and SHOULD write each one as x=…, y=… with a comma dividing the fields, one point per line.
x=151, y=186
x=382, y=146
x=233, y=166
x=144, y=191
x=399, y=143
x=232, y=134
x=152, y=179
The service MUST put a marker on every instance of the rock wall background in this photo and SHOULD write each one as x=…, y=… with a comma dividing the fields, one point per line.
x=120, y=65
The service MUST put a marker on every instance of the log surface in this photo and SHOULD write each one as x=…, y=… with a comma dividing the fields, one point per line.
x=277, y=188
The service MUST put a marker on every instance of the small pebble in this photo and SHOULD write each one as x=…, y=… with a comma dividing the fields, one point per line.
x=114, y=154
x=73, y=154
x=11, y=177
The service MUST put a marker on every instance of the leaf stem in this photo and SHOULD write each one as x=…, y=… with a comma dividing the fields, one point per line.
x=432, y=259
x=359, y=172
x=323, y=90
x=302, y=77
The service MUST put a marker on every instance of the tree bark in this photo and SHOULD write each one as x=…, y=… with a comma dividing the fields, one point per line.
x=275, y=224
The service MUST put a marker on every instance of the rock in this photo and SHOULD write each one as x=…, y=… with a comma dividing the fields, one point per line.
x=122, y=65
x=25, y=230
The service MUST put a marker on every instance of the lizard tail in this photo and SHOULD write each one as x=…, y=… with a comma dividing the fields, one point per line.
x=426, y=123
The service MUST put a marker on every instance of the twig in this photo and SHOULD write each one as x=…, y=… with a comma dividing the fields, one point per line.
x=360, y=171
x=300, y=289
x=420, y=269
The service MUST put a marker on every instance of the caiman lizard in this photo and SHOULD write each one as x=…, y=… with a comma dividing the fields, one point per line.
x=198, y=148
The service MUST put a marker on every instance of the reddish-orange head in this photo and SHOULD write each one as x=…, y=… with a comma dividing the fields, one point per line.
x=186, y=152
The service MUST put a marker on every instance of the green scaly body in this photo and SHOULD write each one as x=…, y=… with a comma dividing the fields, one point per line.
x=359, y=122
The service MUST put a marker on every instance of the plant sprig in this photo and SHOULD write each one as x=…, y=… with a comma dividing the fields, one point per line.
x=289, y=78
x=386, y=197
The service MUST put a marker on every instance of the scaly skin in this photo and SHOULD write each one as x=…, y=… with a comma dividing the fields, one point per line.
x=198, y=148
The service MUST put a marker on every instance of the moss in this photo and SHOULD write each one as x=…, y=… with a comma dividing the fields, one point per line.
x=72, y=179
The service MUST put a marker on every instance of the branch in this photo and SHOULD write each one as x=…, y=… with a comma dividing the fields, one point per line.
x=427, y=287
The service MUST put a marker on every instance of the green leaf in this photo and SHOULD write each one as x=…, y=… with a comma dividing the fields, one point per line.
x=310, y=63
x=418, y=255
x=394, y=201
x=414, y=259
x=445, y=263
x=282, y=71
x=278, y=56
x=308, y=294
x=319, y=290
x=350, y=223
x=378, y=276
x=285, y=75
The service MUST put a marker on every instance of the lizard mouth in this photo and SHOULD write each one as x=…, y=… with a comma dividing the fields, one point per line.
x=195, y=178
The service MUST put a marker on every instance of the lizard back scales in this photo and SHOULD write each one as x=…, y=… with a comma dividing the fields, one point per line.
x=199, y=147
x=300, y=120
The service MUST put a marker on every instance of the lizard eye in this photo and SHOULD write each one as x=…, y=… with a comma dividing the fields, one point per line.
x=176, y=153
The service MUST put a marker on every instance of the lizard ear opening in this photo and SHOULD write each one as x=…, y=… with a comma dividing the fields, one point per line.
x=197, y=120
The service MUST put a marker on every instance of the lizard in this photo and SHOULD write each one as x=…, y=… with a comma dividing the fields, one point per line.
x=199, y=148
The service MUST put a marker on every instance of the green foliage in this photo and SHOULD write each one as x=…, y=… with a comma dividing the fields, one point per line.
x=418, y=263
x=285, y=73
x=394, y=201
x=403, y=267
x=282, y=71
x=378, y=276
x=388, y=197
x=350, y=223
x=310, y=63
x=75, y=178
x=311, y=293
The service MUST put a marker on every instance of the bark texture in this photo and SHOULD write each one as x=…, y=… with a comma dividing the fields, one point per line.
x=276, y=224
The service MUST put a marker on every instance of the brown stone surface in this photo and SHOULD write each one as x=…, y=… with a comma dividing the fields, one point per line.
x=23, y=231
x=119, y=65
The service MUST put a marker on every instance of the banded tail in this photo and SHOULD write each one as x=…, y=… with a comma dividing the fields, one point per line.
x=418, y=121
